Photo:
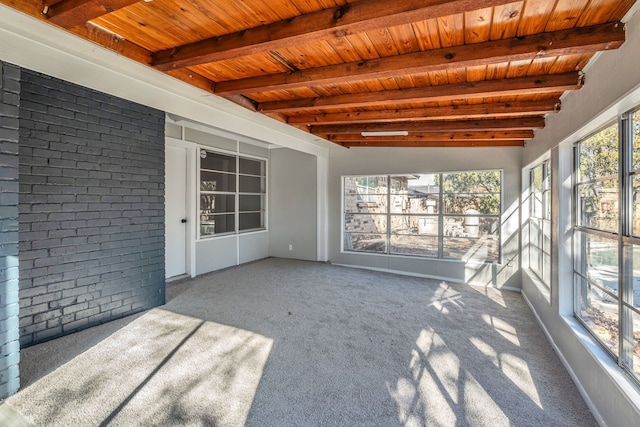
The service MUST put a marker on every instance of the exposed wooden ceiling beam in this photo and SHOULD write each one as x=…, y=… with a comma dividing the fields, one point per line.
x=205, y=84
x=566, y=42
x=473, y=111
x=353, y=18
x=423, y=144
x=437, y=136
x=481, y=89
x=89, y=32
x=439, y=126
x=69, y=13
x=125, y=48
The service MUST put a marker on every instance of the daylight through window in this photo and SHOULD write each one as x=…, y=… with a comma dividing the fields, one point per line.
x=539, y=223
x=443, y=215
x=606, y=238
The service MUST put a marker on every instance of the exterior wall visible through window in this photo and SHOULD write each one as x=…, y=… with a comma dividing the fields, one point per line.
x=441, y=215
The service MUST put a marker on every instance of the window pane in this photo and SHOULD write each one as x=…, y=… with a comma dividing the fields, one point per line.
x=471, y=193
x=635, y=127
x=363, y=223
x=365, y=185
x=471, y=238
x=634, y=339
x=365, y=203
x=599, y=311
x=216, y=224
x=536, y=192
x=400, y=184
x=251, y=220
x=216, y=181
x=546, y=252
x=217, y=162
x=414, y=235
x=216, y=203
x=252, y=184
x=598, y=156
x=635, y=279
x=461, y=203
x=414, y=225
x=546, y=200
x=414, y=204
x=636, y=205
x=252, y=167
x=598, y=205
x=363, y=242
x=251, y=203
x=414, y=244
x=535, y=246
x=472, y=182
x=471, y=248
x=418, y=184
x=539, y=227
x=470, y=226
x=598, y=260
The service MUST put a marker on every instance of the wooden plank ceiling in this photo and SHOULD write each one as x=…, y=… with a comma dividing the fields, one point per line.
x=457, y=73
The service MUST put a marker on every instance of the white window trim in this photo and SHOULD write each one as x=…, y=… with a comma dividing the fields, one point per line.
x=500, y=217
x=237, y=154
x=543, y=288
x=605, y=357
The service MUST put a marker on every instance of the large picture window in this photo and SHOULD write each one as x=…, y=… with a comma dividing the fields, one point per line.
x=232, y=193
x=606, y=241
x=443, y=215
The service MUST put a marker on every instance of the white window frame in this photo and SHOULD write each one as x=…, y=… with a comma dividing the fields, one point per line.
x=622, y=238
x=237, y=193
x=440, y=215
x=542, y=253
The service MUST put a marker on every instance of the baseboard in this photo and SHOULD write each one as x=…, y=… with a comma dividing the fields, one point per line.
x=427, y=276
x=572, y=374
x=401, y=273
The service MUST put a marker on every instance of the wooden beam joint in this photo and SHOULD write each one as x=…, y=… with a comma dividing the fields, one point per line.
x=69, y=13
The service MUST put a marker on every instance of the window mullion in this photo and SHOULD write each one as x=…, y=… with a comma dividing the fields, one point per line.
x=626, y=259
x=441, y=217
x=581, y=252
x=237, y=197
x=388, y=214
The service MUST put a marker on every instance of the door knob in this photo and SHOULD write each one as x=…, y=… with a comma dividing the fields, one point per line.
x=183, y=220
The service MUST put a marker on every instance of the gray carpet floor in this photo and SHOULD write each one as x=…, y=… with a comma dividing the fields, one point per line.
x=290, y=343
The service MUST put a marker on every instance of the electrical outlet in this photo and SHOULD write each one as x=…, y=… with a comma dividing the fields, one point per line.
x=290, y=247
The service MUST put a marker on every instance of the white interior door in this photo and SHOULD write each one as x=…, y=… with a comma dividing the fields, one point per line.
x=176, y=211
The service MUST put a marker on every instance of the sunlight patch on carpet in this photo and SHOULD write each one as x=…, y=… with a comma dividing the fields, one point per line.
x=160, y=368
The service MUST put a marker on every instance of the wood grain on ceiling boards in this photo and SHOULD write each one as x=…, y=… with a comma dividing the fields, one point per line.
x=456, y=73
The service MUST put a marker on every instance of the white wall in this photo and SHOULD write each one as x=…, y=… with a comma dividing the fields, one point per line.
x=612, y=87
x=215, y=253
x=376, y=161
x=293, y=205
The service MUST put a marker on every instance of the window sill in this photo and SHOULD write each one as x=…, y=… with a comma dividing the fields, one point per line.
x=412, y=257
x=627, y=386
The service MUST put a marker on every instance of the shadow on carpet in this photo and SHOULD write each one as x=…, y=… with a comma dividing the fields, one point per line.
x=289, y=343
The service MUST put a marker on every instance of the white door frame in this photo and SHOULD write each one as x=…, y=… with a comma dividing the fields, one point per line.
x=190, y=197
